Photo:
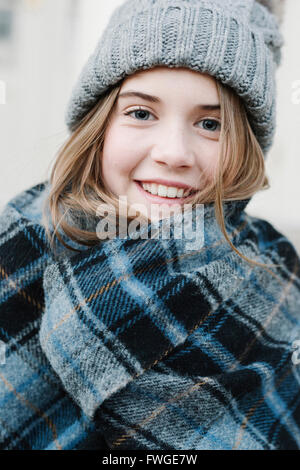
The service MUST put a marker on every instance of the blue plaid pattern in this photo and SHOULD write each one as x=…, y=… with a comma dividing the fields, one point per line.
x=143, y=344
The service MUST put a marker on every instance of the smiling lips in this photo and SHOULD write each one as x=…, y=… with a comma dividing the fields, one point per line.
x=166, y=191
x=166, y=188
x=164, y=194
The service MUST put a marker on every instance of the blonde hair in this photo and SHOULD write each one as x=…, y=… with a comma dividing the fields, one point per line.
x=76, y=183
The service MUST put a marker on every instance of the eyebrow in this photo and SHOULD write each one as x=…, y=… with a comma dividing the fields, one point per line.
x=155, y=99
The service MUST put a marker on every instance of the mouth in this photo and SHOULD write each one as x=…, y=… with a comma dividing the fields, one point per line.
x=158, y=198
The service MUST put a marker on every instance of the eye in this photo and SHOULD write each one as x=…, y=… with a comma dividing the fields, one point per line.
x=143, y=113
x=213, y=125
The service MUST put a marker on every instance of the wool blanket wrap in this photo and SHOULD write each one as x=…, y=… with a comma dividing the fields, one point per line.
x=147, y=343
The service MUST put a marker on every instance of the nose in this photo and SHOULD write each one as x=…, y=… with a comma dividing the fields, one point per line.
x=173, y=149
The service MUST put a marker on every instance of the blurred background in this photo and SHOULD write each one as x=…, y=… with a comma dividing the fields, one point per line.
x=43, y=46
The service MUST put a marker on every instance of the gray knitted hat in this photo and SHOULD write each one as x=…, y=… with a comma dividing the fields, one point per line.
x=236, y=41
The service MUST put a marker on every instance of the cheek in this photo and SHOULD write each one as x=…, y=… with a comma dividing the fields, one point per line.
x=209, y=158
x=120, y=153
x=214, y=161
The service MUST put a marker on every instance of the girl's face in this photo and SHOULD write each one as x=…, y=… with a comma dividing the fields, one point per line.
x=164, y=130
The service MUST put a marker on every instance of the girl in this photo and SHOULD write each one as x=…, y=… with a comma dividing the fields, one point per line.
x=125, y=341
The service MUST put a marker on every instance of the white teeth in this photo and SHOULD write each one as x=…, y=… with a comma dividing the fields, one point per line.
x=165, y=191
x=152, y=188
x=173, y=192
x=162, y=190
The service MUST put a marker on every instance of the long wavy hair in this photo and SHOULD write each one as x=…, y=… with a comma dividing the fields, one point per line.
x=77, y=187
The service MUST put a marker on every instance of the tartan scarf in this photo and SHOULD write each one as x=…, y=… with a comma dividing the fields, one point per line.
x=145, y=344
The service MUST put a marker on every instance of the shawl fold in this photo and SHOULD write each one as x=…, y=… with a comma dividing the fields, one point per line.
x=149, y=343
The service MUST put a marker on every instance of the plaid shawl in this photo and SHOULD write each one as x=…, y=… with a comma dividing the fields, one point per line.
x=144, y=344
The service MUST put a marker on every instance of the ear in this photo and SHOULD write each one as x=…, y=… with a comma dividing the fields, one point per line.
x=276, y=7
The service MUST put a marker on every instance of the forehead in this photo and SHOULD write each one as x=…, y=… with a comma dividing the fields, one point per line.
x=172, y=80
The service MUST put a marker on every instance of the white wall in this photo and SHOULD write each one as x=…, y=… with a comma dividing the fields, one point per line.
x=37, y=80
x=52, y=40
